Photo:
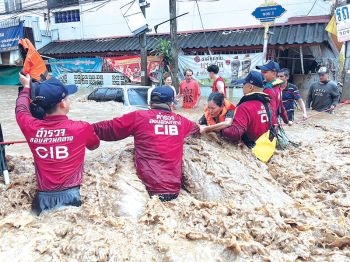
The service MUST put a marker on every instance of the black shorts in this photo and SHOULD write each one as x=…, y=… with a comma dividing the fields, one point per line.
x=165, y=197
x=47, y=200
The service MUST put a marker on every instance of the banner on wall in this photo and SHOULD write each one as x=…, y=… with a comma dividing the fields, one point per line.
x=60, y=67
x=10, y=36
x=232, y=67
x=130, y=66
x=94, y=79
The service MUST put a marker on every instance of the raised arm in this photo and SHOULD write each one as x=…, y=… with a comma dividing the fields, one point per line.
x=23, y=115
x=116, y=129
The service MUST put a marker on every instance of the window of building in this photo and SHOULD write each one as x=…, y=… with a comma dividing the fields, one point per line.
x=12, y=5
x=67, y=16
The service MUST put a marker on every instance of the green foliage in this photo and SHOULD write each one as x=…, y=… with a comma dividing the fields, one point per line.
x=164, y=49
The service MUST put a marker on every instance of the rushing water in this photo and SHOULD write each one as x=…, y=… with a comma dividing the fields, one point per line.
x=234, y=207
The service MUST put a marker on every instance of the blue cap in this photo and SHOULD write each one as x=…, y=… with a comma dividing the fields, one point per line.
x=255, y=78
x=269, y=66
x=51, y=92
x=162, y=94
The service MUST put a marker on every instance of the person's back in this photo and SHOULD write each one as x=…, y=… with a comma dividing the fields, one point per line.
x=251, y=117
x=159, y=137
x=57, y=143
x=58, y=147
x=252, y=121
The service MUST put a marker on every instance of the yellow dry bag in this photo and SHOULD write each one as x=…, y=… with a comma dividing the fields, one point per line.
x=265, y=147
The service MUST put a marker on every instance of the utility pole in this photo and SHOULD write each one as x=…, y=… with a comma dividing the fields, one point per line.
x=143, y=44
x=266, y=38
x=173, y=41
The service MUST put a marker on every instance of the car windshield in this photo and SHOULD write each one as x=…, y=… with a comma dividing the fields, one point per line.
x=137, y=96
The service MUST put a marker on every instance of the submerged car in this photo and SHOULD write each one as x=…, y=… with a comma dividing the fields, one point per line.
x=129, y=95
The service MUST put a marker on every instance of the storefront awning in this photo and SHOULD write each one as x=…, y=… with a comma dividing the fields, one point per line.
x=288, y=34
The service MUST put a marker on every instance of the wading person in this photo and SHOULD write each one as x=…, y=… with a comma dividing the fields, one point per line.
x=218, y=82
x=273, y=89
x=189, y=91
x=167, y=81
x=159, y=137
x=290, y=95
x=252, y=117
x=57, y=143
x=324, y=94
x=218, y=114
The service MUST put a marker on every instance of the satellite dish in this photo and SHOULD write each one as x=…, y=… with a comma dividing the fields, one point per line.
x=134, y=17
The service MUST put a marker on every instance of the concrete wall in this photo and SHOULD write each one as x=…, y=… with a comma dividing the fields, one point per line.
x=107, y=20
x=104, y=19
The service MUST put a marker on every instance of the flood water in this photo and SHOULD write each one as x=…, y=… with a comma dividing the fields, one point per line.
x=234, y=208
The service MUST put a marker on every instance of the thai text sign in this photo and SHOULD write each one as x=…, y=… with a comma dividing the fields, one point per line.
x=268, y=13
x=9, y=37
x=342, y=19
x=94, y=79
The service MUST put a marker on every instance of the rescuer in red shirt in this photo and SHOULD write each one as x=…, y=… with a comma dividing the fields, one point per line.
x=159, y=137
x=57, y=143
x=251, y=118
x=273, y=88
x=219, y=83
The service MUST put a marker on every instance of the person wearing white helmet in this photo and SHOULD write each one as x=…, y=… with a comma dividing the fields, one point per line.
x=324, y=94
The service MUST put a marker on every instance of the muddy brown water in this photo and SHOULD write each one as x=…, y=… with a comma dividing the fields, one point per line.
x=234, y=208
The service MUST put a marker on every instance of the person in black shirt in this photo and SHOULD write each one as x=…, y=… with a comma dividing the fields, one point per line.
x=323, y=95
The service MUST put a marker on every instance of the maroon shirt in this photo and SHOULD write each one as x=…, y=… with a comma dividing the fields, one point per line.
x=276, y=102
x=159, y=137
x=250, y=119
x=58, y=146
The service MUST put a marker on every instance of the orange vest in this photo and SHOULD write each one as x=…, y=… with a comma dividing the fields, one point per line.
x=211, y=121
x=33, y=64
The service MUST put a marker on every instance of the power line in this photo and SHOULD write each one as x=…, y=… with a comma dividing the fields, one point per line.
x=312, y=7
x=205, y=36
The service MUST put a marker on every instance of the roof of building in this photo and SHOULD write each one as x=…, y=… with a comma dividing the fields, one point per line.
x=307, y=31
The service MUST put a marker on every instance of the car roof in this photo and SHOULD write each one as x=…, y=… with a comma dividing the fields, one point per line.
x=125, y=86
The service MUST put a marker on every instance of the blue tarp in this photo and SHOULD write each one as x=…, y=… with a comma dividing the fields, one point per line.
x=60, y=67
x=10, y=36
